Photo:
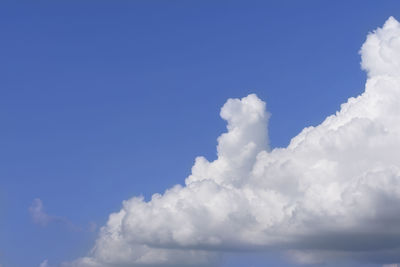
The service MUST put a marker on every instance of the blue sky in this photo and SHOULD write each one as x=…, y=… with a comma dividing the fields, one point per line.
x=101, y=101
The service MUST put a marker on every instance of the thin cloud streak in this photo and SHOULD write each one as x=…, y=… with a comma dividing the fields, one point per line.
x=41, y=217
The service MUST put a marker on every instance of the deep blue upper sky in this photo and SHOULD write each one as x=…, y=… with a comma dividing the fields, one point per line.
x=104, y=100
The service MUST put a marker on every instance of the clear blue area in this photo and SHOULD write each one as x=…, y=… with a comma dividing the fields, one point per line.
x=104, y=100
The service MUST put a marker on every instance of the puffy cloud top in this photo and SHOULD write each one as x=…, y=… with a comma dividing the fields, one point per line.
x=381, y=52
x=332, y=194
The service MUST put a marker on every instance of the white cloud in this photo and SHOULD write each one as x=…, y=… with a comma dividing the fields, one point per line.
x=332, y=194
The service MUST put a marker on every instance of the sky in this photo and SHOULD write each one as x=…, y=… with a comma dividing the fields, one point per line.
x=109, y=101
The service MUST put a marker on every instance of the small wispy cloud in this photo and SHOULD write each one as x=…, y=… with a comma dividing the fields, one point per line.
x=44, y=263
x=41, y=217
x=38, y=214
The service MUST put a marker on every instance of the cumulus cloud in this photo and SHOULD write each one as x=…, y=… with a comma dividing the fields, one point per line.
x=332, y=194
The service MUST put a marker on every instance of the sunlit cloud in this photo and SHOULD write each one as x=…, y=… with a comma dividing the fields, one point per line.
x=332, y=194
